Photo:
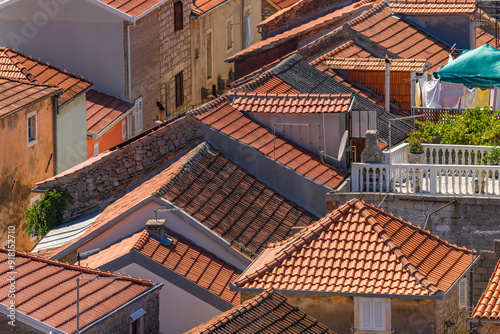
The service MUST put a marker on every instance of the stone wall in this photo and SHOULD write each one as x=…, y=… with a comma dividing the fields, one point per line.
x=175, y=49
x=486, y=328
x=484, y=270
x=99, y=179
x=145, y=65
x=19, y=327
x=447, y=310
x=413, y=316
x=267, y=9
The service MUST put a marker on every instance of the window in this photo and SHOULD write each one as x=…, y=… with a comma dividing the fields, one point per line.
x=372, y=314
x=209, y=55
x=32, y=129
x=124, y=130
x=248, y=28
x=229, y=34
x=96, y=149
x=136, y=324
x=178, y=22
x=462, y=293
x=179, y=89
x=138, y=115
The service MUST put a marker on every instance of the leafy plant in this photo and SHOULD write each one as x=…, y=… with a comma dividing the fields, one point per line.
x=47, y=213
x=415, y=142
x=491, y=156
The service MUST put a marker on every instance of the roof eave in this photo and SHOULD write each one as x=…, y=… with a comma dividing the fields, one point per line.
x=473, y=264
x=210, y=10
x=152, y=8
x=30, y=321
x=95, y=135
x=437, y=296
x=113, y=10
x=78, y=95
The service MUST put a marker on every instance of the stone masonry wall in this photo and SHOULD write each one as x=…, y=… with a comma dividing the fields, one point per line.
x=454, y=223
x=447, y=310
x=102, y=178
x=267, y=9
x=175, y=48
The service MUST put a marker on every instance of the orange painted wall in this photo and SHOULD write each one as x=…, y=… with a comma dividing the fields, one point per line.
x=22, y=166
x=109, y=139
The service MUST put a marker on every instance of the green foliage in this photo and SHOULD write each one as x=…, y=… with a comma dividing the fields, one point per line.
x=473, y=127
x=415, y=142
x=47, y=213
x=492, y=156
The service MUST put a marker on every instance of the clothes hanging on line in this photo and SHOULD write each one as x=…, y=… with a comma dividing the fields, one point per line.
x=469, y=98
x=418, y=95
x=482, y=98
x=495, y=98
x=430, y=94
x=451, y=94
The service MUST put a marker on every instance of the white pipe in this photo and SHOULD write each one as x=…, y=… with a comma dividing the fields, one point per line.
x=324, y=133
x=129, y=70
x=387, y=84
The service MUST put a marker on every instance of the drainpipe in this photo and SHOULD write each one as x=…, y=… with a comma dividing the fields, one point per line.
x=54, y=135
x=129, y=70
x=387, y=83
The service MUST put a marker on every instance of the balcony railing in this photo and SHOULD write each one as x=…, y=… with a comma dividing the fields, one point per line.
x=449, y=170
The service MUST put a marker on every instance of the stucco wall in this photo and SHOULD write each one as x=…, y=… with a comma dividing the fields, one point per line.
x=215, y=22
x=110, y=138
x=145, y=65
x=73, y=35
x=72, y=134
x=179, y=310
x=23, y=166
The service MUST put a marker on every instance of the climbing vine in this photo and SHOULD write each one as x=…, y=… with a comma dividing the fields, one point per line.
x=47, y=213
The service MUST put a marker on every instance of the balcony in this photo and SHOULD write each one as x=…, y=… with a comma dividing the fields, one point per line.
x=448, y=170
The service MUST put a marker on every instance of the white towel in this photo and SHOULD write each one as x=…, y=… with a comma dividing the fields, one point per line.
x=469, y=98
x=430, y=94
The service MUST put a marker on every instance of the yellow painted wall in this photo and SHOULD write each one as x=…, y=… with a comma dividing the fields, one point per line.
x=22, y=166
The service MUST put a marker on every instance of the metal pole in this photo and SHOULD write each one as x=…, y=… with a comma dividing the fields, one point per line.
x=77, y=306
x=387, y=84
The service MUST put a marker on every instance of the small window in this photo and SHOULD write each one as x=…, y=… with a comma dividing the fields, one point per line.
x=229, y=34
x=372, y=314
x=178, y=22
x=32, y=129
x=209, y=55
x=124, y=130
x=248, y=27
x=138, y=115
x=179, y=89
x=96, y=149
x=136, y=324
x=462, y=293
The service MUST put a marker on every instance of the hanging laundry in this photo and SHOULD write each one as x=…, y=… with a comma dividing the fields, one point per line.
x=451, y=94
x=495, y=98
x=469, y=98
x=418, y=95
x=430, y=94
x=482, y=98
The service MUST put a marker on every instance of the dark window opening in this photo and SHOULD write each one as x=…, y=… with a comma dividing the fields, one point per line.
x=178, y=22
x=179, y=90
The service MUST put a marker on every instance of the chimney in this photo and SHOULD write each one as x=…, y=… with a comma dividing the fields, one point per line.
x=156, y=228
x=372, y=152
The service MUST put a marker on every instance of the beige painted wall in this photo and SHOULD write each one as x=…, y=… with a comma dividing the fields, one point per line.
x=215, y=22
x=22, y=166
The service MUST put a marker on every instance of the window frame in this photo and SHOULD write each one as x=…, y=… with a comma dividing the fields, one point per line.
x=137, y=318
x=210, y=53
x=124, y=129
x=178, y=22
x=372, y=321
x=96, y=149
x=32, y=141
x=138, y=116
x=229, y=28
x=179, y=89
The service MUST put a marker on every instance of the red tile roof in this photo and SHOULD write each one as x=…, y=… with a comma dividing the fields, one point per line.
x=399, y=37
x=233, y=203
x=181, y=256
x=267, y=83
x=200, y=7
x=223, y=117
x=488, y=306
x=483, y=37
x=306, y=29
x=131, y=7
x=14, y=64
x=268, y=312
x=46, y=290
x=376, y=64
x=15, y=94
x=103, y=110
x=435, y=7
x=283, y=3
x=292, y=103
x=360, y=248
x=349, y=49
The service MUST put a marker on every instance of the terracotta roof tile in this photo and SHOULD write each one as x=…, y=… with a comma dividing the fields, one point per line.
x=181, y=256
x=131, y=7
x=14, y=64
x=223, y=117
x=292, y=103
x=267, y=312
x=283, y=3
x=488, y=306
x=46, y=290
x=376, y=64
x=200, y=7
x=359, y=248
x=15, y=94
x=432, y=7
x=103, y=110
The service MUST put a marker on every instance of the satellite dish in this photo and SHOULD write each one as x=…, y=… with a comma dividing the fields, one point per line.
x=342, y=147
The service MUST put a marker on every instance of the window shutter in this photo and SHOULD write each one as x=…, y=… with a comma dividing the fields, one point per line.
x=138, y=115
x=378, y=314
x=178, y=22
x=179, y=89
x=462, y=293
x=124, y=130
x=96, y=149
x=365, y=316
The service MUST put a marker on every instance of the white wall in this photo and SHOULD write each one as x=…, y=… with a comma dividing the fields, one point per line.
x=74, y=35
x=71, y=134
x=179, y=310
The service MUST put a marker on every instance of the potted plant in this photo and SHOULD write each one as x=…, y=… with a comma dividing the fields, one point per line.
x=415, y=148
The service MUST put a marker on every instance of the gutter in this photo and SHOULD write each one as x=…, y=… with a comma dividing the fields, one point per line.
x=30, y=321
x=54, y=134
x=476, y=320
x=155, y=287
x=210, y=10
x=129, y=69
